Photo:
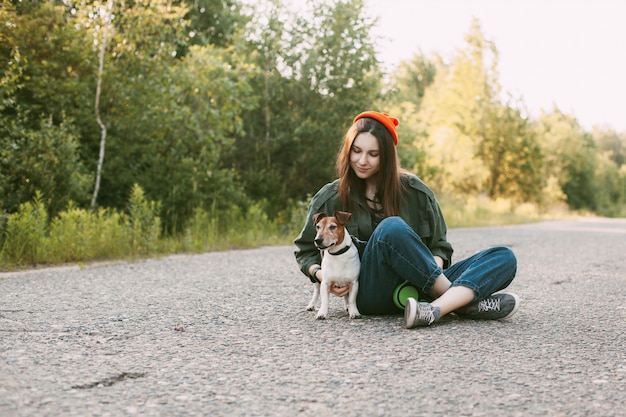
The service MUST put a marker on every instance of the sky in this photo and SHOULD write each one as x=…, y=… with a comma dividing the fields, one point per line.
x=565, y=53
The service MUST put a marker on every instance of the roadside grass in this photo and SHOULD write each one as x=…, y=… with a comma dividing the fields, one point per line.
x=31, y=239
x=477, y=211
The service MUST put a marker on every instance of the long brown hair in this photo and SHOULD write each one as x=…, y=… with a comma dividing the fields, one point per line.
x=389, y=186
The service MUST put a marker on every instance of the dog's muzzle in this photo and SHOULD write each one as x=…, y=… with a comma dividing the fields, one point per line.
x=318, y=243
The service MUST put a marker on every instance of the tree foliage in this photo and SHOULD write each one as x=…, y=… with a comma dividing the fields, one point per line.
x=470, y=138
x=312, y=76
x=570, y=158
x=215, y=104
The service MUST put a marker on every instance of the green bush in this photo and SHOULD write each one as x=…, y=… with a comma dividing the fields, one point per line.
x=81, y=235
x=238, y=228
x=483, y=211
x=78, y=235
x=145, y=224
x=25, y=234
x=201, y=232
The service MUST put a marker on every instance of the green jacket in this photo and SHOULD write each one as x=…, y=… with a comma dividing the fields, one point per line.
x=419, y=210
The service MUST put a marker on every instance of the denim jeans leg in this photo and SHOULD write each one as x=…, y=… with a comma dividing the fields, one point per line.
x=486, y=272
x=393, y=254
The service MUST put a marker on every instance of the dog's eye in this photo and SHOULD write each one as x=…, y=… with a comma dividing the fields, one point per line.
x=333, y=227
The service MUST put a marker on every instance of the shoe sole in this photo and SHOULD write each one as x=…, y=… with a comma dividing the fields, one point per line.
x=409, y=313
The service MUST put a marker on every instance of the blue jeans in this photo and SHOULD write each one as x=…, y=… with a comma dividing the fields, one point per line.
x=395, y=253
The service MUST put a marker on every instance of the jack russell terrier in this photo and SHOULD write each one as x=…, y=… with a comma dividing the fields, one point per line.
x=340, y=262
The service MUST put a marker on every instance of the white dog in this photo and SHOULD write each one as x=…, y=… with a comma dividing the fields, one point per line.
x=340, y=262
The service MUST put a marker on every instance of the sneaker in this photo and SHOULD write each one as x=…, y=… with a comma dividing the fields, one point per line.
x=418, y=314
x=497, y=307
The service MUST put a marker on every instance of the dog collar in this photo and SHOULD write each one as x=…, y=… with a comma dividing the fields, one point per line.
x=342, y=251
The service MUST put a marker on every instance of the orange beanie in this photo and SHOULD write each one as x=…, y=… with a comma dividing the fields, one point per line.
x=388, y=121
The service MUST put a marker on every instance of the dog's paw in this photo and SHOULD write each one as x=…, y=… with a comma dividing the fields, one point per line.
x=310, y=308
x=321, y=316
x=354, y=313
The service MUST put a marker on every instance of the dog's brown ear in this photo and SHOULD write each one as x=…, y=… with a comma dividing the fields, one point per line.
x=343, y=217
x=318, y=216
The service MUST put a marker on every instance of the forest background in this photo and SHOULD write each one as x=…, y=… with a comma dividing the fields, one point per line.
x=134, y=128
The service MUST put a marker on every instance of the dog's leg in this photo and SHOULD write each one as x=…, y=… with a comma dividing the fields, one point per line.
x=324, y=294
x=316, y=296
x=353, y=311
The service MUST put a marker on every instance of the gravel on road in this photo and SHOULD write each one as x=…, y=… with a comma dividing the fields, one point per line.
x=227, y=334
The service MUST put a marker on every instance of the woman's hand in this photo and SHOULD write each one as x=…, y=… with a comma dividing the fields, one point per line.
x=340, y=291
x=334, y=289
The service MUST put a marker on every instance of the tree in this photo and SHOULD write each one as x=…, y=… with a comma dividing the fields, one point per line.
x=476, y=142
x=451, y=113
x=106, y=20
x=609, y=197
x=338, y=76
x=267, y=125
x=39, y=140
x=570, y=156
x=406, y=88
x=313, y=73
x=510, y=150
x=611, y=142
x=40, y=158
x=198, y=137
x=142, y=48
x=610, y=172
x=411, y=78
x=211, y=22
x=55, y=61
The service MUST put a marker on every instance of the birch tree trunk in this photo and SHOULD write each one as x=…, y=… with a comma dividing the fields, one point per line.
x=103, y=128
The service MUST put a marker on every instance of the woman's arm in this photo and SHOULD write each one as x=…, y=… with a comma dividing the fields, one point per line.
x=307, y=254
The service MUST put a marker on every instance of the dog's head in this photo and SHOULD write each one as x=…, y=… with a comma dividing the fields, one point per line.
x=330, y=229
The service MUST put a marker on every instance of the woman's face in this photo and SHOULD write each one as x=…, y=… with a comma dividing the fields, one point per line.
x=365, y=156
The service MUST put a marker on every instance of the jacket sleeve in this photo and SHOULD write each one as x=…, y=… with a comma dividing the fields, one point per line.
x=424, y=206
x=439, y=245
x=306, y=252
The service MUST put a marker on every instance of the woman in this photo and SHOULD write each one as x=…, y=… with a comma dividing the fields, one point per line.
x=401, y=234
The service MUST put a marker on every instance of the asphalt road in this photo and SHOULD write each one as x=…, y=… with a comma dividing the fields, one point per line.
x=227, y=334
